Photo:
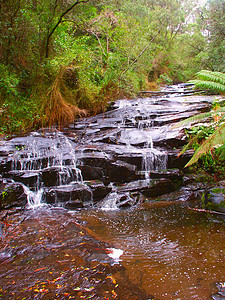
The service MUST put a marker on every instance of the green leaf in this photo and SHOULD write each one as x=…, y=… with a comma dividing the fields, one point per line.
x=215, y=140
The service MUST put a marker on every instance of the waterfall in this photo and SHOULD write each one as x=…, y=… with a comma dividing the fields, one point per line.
x=54, y=151
x=153, y=160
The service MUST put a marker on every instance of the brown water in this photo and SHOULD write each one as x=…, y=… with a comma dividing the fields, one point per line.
x=170, y=252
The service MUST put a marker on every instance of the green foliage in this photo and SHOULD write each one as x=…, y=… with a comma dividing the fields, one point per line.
x=211, y=81
x=8, y=82
x=214, y=81
x=110, y=49
x=165, y=79
x=207, y=141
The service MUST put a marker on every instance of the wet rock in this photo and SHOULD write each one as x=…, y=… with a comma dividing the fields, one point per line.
x=68, y=193
x=125, y=201
x=121, y=172
x=54, y=176
x=135, y=186
x=174, y=174
x=50, y=176
x=191, y=192
x=5, y=164
x=29, y=178
x=12, y=195
x=132, y=158
x=158, y=188
x=149, y=188
x=99, y=190
x=92, y=173
x=134, y=137
x=176, y=161
x=73, y=205
x=117, y=200
x=215, y=198
x=99, y=160
x=105, y=169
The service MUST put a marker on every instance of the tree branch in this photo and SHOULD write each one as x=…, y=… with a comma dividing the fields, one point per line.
x=60, y=21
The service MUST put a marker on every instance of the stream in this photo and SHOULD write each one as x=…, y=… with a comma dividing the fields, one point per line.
x=105, y=209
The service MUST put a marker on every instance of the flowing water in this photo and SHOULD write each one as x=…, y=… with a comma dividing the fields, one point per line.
x=170, y=251
x=157, y=248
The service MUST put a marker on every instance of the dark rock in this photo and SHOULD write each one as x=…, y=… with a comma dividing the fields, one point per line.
x=101, y=167
x=5, y=165
x=174, y=174
x=121, y=172
x=149, y=188
x=175, y=161
x=50, y=176
x=12, y=195
x=134, y=186
x=132, y=158
x=97, y=159
x=54, y=176
x=158, y=188
x=92, y=173
x=215, y=198
x=73, y=205
x=99, y=190
x=68, y=193
x=29, y=178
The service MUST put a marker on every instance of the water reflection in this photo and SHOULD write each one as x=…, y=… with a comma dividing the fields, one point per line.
x=169, y=250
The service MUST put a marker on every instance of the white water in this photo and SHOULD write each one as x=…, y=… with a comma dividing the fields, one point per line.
x=40, y=153
x=109, y=203
x=34, y=199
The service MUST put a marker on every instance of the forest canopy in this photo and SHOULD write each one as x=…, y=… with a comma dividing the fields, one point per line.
x=65, y=58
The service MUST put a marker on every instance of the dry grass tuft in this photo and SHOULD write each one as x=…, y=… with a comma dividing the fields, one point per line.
x=57, y=108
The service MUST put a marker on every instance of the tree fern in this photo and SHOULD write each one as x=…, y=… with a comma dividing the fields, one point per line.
x=212, y=81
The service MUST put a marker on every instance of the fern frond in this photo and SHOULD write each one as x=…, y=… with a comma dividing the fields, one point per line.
x=194, y=119
x=200, y=117
x=209, y=80
x=209, y=85
x=188, y=146
x=217, y=138
x=206, y=75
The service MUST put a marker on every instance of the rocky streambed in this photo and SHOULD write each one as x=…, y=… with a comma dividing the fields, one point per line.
x=72, y=200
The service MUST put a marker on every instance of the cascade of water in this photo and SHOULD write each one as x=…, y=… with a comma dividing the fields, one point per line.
x=41, y=153
x=34, y=199
x=110, y=201
x=154, y=160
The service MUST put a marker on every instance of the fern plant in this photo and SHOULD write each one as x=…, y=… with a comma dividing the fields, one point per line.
x=213, y=81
